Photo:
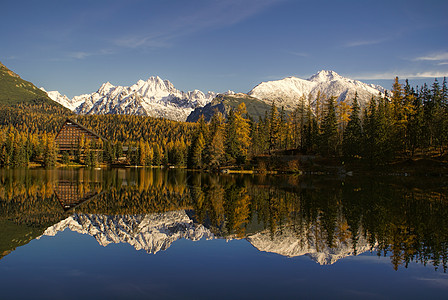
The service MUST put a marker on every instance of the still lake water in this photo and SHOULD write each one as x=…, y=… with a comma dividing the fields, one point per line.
x=170, y=234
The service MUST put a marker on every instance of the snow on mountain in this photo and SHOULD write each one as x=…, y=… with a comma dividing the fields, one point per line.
x=287, y=92
x=63, y=99
x=159, y=98
x=154, y=97
x=152, y=232
x=287, y=242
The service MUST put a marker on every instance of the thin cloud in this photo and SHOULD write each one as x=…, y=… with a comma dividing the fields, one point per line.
x=79, y=55
x=434, y=57
x=391, y=75
x=214, y=15
x=83, y=55
x=360, y=43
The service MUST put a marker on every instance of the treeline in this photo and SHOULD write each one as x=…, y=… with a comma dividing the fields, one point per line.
x=407, y=123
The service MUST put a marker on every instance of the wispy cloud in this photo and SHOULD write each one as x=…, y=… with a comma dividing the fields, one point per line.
x=215, y=14
x=364, y=42
x=391, y=75
x=434, y=56
x=83, y=55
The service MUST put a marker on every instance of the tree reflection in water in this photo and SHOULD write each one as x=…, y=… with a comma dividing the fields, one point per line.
x=324, y=218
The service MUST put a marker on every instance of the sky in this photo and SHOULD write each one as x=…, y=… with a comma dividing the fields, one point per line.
x=220, y=45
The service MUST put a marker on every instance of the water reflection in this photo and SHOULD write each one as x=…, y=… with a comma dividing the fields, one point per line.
x=325, y=219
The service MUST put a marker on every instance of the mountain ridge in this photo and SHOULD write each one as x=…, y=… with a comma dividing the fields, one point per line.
x=157, y=97
x=286, y=92
x=154, y=97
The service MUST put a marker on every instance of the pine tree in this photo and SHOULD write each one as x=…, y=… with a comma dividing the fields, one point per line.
x=329, y=135
x=352, y=140
x=274, y=129
x=415, y=122
x=399, y=117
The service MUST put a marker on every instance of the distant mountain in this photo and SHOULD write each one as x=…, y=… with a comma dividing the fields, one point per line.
x=154, y=97
x=223, y=103
x=287, y=92
x=159, y=98
x=14, y=89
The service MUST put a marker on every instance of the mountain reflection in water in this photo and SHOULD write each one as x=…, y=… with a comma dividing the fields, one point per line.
x=325, y=219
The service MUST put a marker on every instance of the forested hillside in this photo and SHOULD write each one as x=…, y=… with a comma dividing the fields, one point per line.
x=411, y=122
x=14, y=89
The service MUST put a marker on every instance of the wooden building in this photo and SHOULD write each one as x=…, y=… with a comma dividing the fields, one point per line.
x=71, y=133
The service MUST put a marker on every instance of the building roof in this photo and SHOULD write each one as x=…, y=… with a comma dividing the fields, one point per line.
x=81, y=127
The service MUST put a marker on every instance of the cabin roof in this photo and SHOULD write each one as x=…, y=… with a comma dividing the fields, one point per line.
x=80, y=126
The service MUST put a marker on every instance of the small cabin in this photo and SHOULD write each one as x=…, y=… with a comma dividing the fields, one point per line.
x=71, y=133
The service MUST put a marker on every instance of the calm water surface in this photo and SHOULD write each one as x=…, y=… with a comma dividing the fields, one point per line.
x=170, y=234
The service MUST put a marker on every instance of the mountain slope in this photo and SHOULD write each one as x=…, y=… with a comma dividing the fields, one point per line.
x=224, y=103
x=14, y=89
x=287, y=92
x=154, y=97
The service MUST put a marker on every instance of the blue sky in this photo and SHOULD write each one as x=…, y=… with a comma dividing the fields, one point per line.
x=75, y=46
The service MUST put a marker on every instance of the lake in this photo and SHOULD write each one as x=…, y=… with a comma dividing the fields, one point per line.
x=170, y=234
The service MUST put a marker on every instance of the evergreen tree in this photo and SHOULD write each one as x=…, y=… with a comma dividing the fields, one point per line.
x=370, y=132
x=415, y=122
x=329, y=135
x=274, y=129
x=352, y=140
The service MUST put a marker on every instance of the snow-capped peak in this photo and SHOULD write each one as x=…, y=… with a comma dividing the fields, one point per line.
x=105, y=88
x=286, y=92
x=325, y=75
x=71, y=104
x=154, y=97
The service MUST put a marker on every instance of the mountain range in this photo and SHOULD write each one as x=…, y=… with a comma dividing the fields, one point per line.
x=159, y=98
x=154, y=97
